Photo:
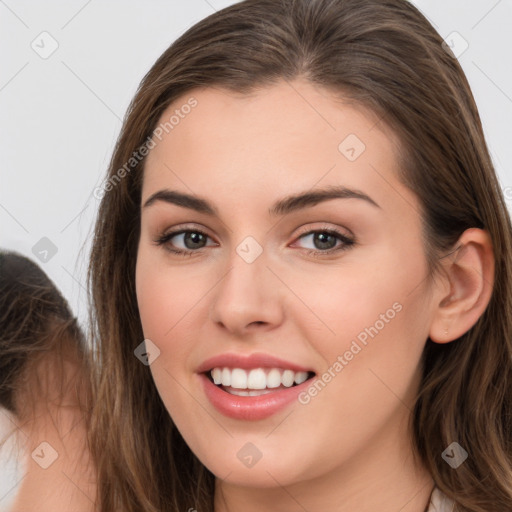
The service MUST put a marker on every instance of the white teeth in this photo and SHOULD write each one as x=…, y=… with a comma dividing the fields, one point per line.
x=217, y=375
x=238, y=378
x=301, y=377
x=252, y=392
x=274, y=378
x=287, y=378
x=256, y=379
x=226, y=377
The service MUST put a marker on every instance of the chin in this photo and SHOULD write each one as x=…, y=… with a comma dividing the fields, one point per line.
x=255, y=463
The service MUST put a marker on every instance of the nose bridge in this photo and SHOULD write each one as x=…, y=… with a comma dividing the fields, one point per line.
x=246, y=278
x=248, y=292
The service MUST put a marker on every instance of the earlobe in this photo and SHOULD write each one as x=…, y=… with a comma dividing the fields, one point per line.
x=469, y=272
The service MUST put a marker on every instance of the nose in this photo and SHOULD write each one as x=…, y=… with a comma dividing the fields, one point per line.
x=248, y=298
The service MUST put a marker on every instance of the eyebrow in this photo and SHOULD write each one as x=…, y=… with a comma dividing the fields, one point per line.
x=283, y=206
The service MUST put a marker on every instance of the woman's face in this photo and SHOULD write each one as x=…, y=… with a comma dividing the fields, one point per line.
x=275, y=289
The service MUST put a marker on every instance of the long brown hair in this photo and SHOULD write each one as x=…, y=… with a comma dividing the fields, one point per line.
x=385, y=56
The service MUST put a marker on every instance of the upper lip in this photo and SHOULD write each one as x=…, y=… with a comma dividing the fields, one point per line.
x=256, y=360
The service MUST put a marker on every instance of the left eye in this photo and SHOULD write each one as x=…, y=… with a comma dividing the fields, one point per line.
x=326, y=240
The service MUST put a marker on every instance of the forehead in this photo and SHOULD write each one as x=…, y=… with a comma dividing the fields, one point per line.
x=289, y=135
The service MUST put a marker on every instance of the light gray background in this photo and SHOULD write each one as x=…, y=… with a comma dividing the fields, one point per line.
x=60, y=115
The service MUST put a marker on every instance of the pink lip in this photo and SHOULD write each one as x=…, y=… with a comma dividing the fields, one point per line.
x=250, y=408
x=257, y=360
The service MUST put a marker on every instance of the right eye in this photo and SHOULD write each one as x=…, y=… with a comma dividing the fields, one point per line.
x=191, y=241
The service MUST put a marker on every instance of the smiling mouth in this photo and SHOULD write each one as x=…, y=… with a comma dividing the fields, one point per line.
x=257, y=381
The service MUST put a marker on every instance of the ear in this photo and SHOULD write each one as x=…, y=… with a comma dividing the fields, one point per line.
x=469, y=277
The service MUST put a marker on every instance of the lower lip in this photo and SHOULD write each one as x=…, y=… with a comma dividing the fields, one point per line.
x=250, y=408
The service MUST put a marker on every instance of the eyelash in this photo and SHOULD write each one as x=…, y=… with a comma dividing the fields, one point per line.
x=347, y=242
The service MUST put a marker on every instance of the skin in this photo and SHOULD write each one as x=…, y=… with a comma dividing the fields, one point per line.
x=349, y=448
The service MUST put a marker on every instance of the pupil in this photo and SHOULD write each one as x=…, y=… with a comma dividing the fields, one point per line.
x=321, y=238
x=194, y=238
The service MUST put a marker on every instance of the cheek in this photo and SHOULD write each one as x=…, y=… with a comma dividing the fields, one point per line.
x=165, y=294
x=340, y=304
x=374, y=314
x=172, y=305
x=166, y=307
